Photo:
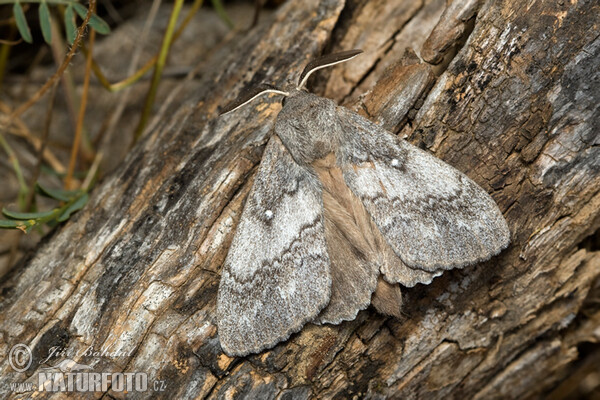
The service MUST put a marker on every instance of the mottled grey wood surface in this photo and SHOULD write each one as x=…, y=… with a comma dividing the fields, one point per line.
x=512, y=101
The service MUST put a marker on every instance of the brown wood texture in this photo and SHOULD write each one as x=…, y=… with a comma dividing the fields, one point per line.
x=511, y=99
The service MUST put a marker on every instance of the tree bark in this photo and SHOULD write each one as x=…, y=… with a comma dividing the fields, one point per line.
x=507, y=92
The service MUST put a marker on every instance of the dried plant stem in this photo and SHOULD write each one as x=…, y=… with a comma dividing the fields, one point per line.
x=11, y=42
x=5, y=52
x=20, y=129
x=81, y=116
x=58, y=47
x=91, y=174
x=35, y=98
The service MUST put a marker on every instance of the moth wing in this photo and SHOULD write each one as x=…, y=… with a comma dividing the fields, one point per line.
x=433, y=216
x=276, y=275
x=395, y=270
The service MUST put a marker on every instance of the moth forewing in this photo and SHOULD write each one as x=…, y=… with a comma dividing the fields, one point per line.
x=340, y=209
x=433, y=216
x=276, y=276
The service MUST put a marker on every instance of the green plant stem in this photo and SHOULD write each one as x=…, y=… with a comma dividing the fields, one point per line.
x=218, y=6
x=125, y=83
x=160, y=64
x=17, y=167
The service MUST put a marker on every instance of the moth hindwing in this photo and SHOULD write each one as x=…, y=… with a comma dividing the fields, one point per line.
x=341, y=213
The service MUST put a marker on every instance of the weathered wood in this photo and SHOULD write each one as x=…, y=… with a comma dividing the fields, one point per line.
x=512, y=103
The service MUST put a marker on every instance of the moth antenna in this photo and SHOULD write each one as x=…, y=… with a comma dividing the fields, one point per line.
x=248, y=95
x=325, y=61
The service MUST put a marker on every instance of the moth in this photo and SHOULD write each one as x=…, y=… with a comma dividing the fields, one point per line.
x=340, y=213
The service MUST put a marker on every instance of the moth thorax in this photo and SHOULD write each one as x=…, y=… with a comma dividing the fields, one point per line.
x=308, y=127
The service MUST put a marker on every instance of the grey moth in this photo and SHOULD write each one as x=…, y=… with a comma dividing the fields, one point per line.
x=341, y=213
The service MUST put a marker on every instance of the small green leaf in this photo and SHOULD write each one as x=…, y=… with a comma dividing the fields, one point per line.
x=80, y=10
x=218, y=6
x=45, y=22
x=8, y=224
x=95, y=21
x=70, y=27
x=24, y=216
x=22, y=22
x=77, y=205
x=25, y=226
x=57, y=194
x=100, y=25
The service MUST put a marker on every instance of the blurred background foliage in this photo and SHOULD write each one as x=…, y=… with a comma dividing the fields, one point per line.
x=73, y=103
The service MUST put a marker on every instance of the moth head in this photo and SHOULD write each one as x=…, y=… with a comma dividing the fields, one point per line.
x=315, y=65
